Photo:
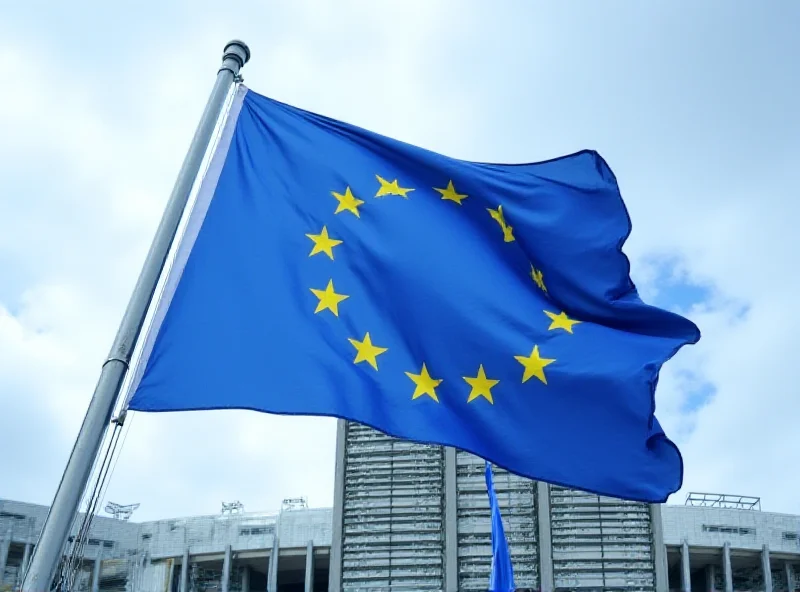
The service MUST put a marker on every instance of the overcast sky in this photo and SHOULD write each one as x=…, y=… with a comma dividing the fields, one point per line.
x=694, y=106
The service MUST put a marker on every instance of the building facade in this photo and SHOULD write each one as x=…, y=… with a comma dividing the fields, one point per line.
x=414, y=517
x=286, y=551
x=731, y=549
x=409, y=517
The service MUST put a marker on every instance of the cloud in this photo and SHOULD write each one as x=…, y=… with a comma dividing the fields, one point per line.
x=98, y=121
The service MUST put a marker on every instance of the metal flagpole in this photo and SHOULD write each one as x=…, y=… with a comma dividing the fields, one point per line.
x=65, y=507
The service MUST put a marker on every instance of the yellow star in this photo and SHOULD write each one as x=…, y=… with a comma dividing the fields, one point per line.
x=328, y=299
x=538, y=277
x=560, y=321
x=534, y=365
x=450, y=194
x=323, y=243
x=481, y=386
x=348, y=202
x=425, y=384
x=508, y=234
x=392, y=188
x=366, y=352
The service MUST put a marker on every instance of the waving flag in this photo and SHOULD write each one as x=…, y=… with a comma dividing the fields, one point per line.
x=327, y=270
x=501, y=578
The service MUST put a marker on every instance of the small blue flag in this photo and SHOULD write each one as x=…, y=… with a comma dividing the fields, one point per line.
x=327, y=270
x=502, y=575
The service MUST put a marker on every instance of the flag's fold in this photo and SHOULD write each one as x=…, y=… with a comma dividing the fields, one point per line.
x=327, y=270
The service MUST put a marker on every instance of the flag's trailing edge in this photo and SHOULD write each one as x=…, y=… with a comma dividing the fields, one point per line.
x=501, y=578
x=327, y=270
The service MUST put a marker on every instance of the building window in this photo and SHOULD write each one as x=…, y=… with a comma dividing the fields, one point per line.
x=11, y=515
x=740, y=530
x=256, y=530
x=790, y=536
x=94, y=542
x=146, y=536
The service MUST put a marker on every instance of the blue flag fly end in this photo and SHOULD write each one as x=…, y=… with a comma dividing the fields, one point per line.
x=327, y=270
x=501, y=578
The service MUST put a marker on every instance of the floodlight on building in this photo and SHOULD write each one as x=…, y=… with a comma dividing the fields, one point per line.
x=120, y=511
x=723, y=500
x=294, y=503
x=235, y=507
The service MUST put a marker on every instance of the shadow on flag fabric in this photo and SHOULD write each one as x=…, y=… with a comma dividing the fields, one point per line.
x=327, y=270
x=501, y=578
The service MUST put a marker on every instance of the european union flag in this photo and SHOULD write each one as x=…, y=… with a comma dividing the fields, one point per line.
x=327, y=270
x=501, y=577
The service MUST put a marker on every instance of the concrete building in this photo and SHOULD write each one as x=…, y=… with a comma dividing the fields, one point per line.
x=283, y=552
x=409, y=517
x=413, y=517
x=726, y=543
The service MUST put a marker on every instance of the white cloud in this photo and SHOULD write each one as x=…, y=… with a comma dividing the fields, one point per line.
x=90, y=148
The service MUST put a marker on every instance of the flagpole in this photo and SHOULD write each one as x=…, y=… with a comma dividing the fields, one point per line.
x=65, y=506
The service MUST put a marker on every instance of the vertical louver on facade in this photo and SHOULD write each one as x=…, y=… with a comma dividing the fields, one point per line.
x=416, y=517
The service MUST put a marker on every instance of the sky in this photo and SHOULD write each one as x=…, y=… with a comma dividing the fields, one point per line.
x=693, y=105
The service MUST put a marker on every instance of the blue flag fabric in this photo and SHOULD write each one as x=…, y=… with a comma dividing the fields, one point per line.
x=501, y=578
x=327, y=270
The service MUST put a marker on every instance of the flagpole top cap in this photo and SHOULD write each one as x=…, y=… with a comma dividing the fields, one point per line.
x=238, y=51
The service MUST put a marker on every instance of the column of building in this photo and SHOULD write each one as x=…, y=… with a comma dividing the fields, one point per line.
x=98, y=562
x=711, y=570
x=309, y=583
x=5, y=552
x=227, y=562
x=5, y=547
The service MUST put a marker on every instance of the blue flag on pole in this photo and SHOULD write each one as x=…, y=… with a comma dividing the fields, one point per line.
x=501, y=578
x=327, y=270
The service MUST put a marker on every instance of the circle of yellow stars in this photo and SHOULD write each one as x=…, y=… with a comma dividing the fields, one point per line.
x=425, y=385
